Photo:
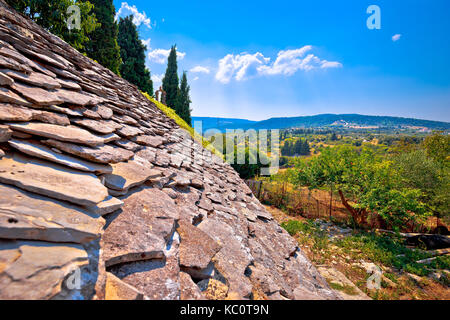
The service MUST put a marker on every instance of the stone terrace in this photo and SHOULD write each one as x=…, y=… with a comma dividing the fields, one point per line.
x=98, y=185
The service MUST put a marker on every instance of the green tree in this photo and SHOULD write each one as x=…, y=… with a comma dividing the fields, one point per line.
x=132, y=52
x=183, y=102
x=103, y=46
x=366, y=182
x=53, y=16
x=170, y=80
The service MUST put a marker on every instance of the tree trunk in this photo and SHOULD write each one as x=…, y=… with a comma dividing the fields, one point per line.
x=331, y=201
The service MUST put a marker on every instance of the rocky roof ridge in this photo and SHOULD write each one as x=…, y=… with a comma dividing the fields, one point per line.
x=105, y=197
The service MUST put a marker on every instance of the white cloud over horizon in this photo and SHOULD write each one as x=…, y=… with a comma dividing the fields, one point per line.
x=244, y=66
x=160, y=55
x=396, y=37
x=138, y=17
x=199, y=69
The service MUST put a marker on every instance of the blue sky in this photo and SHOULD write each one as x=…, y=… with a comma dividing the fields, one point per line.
x=257, y=60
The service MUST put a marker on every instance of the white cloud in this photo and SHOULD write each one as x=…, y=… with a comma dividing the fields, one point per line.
x=199, y=69
x=196, y=78
x=396, y=37
x=288, y=62
x=146, y=43
x=157, y=80
x=138, y=17
x=160, y=55
x=240, y=66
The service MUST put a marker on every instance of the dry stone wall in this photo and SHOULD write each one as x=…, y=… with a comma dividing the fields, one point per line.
x=104, y=197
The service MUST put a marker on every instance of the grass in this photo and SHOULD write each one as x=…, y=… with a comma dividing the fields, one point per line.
x=172, y=114
x=384, y=250
x=344, y=288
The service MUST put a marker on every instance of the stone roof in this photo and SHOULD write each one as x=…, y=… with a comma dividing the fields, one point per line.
x=104, y=197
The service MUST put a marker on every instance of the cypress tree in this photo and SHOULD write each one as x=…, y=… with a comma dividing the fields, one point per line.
x=103, y=46
x=170, y=80
x=132, y=52
x=183, y=102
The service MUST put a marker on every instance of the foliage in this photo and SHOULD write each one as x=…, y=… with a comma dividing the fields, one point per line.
x=365, y=177
x=437, y=147
x=172, y=114
x=183, y=101
x=170, y=80
x=299, y=147
x=53, y=16
x=103, y=46
x=132, y=52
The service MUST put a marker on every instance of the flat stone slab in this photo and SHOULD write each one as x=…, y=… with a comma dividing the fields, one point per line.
x=63, y=133
x=100, y=154
x=50, y=117
x=129, y=131
x=5, y=133
x=146, y=140
x=103, y=111
x=25, y=215
x=52, y=180
x=129, y=174
x=33, y=78
x=9, y=112
x=188, y=289
x=116, y=289
x=196, y=247
x=9, y=96
x=142, y=229
x=100, y=126
x=35, y=149
x=158, y=279
x=37, y=95
x=35, y=270
x=110, y=204
x=74, y=97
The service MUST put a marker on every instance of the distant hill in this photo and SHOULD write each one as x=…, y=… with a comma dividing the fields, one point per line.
x=222, y=123
x=323, y=120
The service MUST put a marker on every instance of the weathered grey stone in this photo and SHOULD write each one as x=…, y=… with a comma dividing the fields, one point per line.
x=51, y=180
x=38, y=96
x=69, y=84
x=101, y=154
x=233, y=259
x=188, y=289
x=35, y=149
x=24, y=215
x=50, y=117
x=100, y=126
x=129, y=174
x=75, y=97
x=153, y=141
x=158, y=279
x=9, y=112
x=196, y=247
x=129, y=131
x=5, y=80
x=116, y=289
x=63, y=133
x=33, y=78
x=110, y=204
x=103, y=111
x=127, y=144
x=36, y=270
x=142, y=229
x=9, y=96
x=6, y=62
x=5, y=133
